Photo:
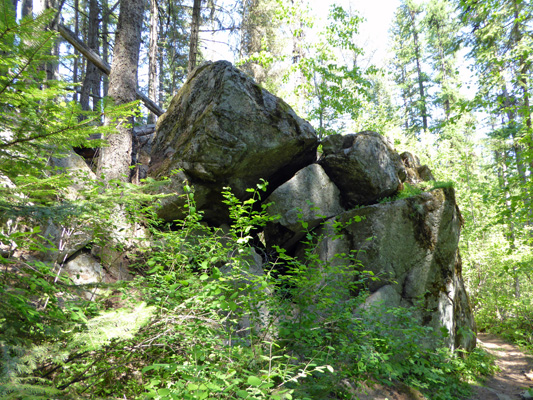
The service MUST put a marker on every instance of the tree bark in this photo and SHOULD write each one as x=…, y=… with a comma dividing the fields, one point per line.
x=511, y=236
x=27, y=8
x=152, y=57
x=195, y=27
x=115, y=160
x=91, y=82
x=76, y=32
x=105, y=43
x=15, y=5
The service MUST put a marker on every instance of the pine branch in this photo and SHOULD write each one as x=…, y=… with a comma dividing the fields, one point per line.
x=22, y=69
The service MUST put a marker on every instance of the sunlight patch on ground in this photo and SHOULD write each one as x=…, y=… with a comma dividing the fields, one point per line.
x=116, y=324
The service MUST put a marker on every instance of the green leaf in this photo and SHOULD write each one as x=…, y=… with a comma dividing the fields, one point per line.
x=254, y=381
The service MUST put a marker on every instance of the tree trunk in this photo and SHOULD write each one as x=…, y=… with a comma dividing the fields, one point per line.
x=161, y=83
x=195, y=27
x=517, y=150
x=416, y=43
x=105, y=43
x=405, y=100
x=76, y=53
x=115, y=160
x=511, y=236
x=52, y=68
x=152, y=57
x=69, y=36
x=27, y=8
x=91, y=83
x=523, y=72
x=15, y=5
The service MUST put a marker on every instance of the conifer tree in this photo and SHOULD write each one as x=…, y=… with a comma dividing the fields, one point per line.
x=443, y=43
x=413, y=82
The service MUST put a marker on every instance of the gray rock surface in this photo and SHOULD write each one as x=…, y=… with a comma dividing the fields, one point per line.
x=83, y=269
x=247, y=275
x=416, y=173
x=363, y=165
x=64, y=241
x=386, y=296
x=78, y=170
x=222, y=129
x=411, y=245
x=308, y=197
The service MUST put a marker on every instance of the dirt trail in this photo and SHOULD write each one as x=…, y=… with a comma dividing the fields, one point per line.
x=511, y=382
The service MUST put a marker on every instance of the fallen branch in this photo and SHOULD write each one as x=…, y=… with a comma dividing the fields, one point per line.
x=93, y=57
x=143, y=130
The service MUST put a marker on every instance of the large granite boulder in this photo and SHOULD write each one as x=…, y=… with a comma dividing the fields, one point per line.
x=222, y=129
x=364, y=167
x=411, y=246
x=75, y=166
x=301, y=203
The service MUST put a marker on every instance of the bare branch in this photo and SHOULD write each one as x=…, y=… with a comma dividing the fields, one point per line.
x=93, y=57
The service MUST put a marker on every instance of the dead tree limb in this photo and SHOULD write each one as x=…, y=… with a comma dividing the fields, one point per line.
x=93, y=57
x=143, y=130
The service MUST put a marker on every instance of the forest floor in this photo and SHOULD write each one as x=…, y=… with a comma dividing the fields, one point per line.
x=511, y=381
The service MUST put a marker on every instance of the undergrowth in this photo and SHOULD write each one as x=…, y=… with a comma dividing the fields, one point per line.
x=209, y=317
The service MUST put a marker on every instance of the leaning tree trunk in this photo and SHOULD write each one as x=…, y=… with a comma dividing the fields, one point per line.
x=115, y=160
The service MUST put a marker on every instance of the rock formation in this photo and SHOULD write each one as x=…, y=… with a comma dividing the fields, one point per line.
x=411, y=245
x=224, y=130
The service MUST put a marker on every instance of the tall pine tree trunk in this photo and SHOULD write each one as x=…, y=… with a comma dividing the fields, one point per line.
x=115, y=160
x=75, y=67
x=511, y=235
x=152, y=56
x=27, y=8
x=416, y=43
x=195, y=27
x=105, y=43
x=91, y=83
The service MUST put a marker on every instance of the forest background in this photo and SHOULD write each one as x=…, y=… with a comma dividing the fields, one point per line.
x=482, y=142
